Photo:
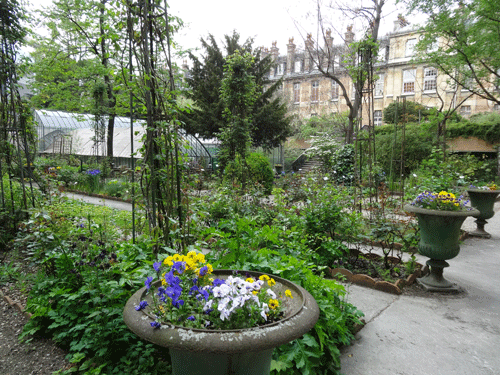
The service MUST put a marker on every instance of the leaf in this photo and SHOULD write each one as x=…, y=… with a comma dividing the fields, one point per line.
x=279, y=366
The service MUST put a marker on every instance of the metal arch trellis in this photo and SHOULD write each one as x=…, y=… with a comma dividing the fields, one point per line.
x=13, y=129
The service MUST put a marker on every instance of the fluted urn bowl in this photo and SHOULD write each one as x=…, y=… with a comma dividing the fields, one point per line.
x=484, y=201
x=439, y=241
x=243, y=351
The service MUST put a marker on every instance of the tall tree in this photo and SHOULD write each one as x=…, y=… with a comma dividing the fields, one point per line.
x=74, y=67
x=355, y=60
x=462, y=39
x=237, y=96
x=270, y=125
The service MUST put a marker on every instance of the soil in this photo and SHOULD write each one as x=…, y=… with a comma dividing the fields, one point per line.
x=375, y=268
x=373, y=265
x=39, y=356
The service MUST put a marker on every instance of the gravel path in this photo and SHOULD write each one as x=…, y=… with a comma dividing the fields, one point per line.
x=38, y=357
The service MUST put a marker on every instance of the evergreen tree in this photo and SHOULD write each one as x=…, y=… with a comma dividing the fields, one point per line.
x=270, y=125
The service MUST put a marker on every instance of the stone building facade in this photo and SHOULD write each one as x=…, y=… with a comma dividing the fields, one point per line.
x=398, y=77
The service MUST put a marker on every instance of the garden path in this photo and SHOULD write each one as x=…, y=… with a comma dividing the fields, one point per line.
x=424, y=333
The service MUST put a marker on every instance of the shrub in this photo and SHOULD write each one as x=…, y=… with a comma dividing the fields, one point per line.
x=258, y=170
x=418, y=144
x=399, y=112
x=261, y=171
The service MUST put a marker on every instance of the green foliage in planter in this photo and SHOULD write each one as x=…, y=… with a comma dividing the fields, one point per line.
x=485, y=126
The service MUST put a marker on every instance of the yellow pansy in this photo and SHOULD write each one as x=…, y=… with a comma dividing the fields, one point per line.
x=273, y=304
x=168, y=261
x=249, y=280
x=264, y=277
x=288, y=293
x=271, y=282
x=200, y=258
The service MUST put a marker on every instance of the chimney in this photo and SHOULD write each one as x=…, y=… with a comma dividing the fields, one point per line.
x=290, y=56
x=349, y=35
x=275, y=52
x=264, y=51
x=185, y=68
x=328, y=41
x=328, y=55
x=308, y=62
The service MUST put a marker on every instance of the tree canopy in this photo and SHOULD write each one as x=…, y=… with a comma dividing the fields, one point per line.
x=269, y=126
x=462, y=39
x=398, y=112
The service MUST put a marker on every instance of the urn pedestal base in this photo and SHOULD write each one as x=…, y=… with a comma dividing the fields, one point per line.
x=434, y=280
x=480, y=232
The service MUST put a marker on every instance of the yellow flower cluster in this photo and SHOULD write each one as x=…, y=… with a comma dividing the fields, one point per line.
x=194, y=261
x=270, y=281
x=448, y=197
x=273, y=304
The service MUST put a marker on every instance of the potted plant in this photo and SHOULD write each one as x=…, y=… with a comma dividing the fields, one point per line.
x=483, y=198
x=440, y=216
x=218, y=321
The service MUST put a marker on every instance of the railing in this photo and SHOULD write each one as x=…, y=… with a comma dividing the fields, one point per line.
x=299, y=162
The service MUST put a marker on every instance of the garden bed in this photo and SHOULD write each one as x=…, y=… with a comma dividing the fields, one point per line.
x=365, y=270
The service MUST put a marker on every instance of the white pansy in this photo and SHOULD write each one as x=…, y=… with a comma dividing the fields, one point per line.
x=271, y=294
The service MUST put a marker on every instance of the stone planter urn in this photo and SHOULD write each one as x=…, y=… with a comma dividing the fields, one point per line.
x=223, y=352
x=439, y=241
x=483, y=200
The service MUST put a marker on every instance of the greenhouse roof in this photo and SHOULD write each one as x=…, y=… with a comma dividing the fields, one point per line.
x=66, y=120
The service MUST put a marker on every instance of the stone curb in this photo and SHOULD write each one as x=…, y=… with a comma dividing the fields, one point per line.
x=16, y=305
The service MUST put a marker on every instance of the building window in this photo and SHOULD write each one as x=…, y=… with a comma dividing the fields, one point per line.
x=409, y=81
x=298, y=66
x=430, y=79
x=296, y=92
x=379, y=86
x=465, y=110
x=410, y=47
x=377, y=118
x=335, y=90
x=496, y=108
x=315, y=91
x=280, y=69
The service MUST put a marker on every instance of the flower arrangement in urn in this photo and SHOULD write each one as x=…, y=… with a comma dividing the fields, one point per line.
x=189, y=296
x=487, y=187
x=443, y=201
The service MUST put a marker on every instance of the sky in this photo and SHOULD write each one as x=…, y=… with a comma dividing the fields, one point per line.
x=264, y=20
x=267, y=21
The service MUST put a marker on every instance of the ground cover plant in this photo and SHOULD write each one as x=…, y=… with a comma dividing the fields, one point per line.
x=86, y=272
x=87, y=266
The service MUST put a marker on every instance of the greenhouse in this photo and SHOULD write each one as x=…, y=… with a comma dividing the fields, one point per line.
x=65, y=133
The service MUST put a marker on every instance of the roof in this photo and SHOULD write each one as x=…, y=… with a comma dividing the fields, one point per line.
x=65, y=120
